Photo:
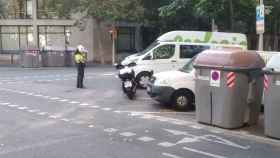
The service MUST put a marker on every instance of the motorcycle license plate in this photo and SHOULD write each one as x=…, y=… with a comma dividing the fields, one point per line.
x=148, y=89
x=127, y=84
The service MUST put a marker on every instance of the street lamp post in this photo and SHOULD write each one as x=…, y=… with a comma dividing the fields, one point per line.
x=261, y=40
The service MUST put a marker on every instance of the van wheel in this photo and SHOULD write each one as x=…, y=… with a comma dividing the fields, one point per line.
x=143, y=79
x=183, y=100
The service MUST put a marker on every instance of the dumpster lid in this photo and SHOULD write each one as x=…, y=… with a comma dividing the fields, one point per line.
x=274, y=64
x=229, y=59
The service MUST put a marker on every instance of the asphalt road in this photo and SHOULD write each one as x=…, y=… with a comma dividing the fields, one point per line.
x=43, y=115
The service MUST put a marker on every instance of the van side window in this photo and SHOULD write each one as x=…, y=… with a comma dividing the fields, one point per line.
x=189, y=51
x=164, y=52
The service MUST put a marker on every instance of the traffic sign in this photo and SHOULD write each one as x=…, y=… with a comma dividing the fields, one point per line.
x=260, y=20
x=215, y=80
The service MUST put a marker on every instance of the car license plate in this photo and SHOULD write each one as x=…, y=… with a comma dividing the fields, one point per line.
x=127, y=84
x=148, y=89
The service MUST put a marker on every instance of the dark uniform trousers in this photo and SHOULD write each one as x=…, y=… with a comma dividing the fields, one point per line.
x=80, y=77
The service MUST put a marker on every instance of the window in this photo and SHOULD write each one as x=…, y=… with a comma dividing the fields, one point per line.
x=16, y=37
x=164, y=52
x=189, y=51
x=52, y=37
x=126, y=39
x=16, y=9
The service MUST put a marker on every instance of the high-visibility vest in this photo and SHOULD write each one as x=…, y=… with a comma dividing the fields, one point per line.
x=79, y=58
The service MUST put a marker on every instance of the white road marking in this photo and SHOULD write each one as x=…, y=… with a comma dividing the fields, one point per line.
x=203, y=153
x=94, y=107
x=84, y=104
x=30, y=93
x=33, y=111
x=146, y=139
x=106, y=109
x=13, y=105
x=55, y=98
x=5, y=103
x=127, y=134
x=54, y=116
x=65, y=120
x=90, y=126
x=46, y=97
x=23, y=108
x=42, y=113
x=63, y=100
x=170, y=155
x=108, y=74
x=38, y=95
x=209, y=138
x=110, y=130
x=166, y=144
x=74, y=102
x=196, y=127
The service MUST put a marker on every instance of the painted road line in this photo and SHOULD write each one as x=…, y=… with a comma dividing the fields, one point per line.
x=74, y=102
x=13, y=105
x=23, y=108
x=203, y=153
x=146, y=139
x=5, y=103
x=90, y=126
x=95, y=107
x=170, y=155
x=55, y=98
x=33, y=111
x=166, y=144
x=63, y=100
x=127, y=134
x=42, y=113
x=196, y=127
x=84, y=104
x=38, y=95
x=65, y=120
x=110, y=130
x=106, y=109
x=54, y=116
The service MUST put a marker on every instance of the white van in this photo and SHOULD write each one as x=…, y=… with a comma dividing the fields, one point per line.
x=173, y=50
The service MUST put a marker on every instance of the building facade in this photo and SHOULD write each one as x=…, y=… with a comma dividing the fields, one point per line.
x=29, y=24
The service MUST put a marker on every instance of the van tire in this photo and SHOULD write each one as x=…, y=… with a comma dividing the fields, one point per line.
x=142, y=79
x=183, y=100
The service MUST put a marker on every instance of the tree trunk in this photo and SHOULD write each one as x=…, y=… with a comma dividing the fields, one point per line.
x=275, y=34
x=100, y=42
x=230, y=22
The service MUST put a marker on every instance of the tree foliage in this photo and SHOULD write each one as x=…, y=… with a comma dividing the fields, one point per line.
x=113, y=10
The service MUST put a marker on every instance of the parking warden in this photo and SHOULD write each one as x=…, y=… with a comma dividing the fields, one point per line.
x=80, y=60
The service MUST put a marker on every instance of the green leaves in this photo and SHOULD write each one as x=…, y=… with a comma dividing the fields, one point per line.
x=114, y=10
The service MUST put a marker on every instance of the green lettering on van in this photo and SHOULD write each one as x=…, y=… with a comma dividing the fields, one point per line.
x=198, y=41
x=188, y=40
x=243, y=43
x=178, y=39
x=207, y=37
x=224, y=42
x=214, y=42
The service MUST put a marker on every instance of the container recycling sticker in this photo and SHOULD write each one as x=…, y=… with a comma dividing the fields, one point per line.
x=215, y=80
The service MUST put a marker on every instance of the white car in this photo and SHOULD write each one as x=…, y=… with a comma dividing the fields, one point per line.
x=174, y=87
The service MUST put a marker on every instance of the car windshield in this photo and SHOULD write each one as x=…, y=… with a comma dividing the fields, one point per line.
x=151, y=46
x=188, y=67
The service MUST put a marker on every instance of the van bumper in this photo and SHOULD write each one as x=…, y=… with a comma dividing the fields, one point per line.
x=162, y=94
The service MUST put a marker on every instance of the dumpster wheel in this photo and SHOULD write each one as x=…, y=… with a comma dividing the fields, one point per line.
x=183, y=100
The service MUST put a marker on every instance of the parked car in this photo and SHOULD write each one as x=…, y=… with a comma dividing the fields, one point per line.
x=174, y=87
